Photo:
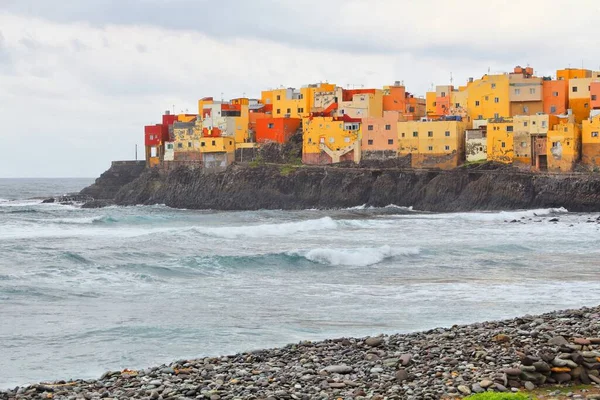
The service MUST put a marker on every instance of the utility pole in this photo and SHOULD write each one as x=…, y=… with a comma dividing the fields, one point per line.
x=136, y=152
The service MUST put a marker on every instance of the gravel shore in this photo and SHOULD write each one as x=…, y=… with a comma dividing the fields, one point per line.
x=561, y=347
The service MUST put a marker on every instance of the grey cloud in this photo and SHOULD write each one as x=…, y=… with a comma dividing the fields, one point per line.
x=272, y=20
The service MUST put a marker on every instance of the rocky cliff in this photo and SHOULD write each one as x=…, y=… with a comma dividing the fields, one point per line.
x=112, y=180
x=487, y=187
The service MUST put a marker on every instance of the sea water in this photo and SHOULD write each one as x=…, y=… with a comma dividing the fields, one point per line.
x=85, y=291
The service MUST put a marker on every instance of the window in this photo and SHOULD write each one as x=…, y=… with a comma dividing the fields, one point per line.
x=443, y=94
x=447, y=148
x=477, y=104
x=370, y=127
x=434, y=103
x=480, y=116
x=278, y=97
x=170, y=146
x=523, y=144
x=278, y=111
x=525, y=123
x=496, y=100
x=487, y=98
x=300, y=110
x=415, y=134
x=552, y=109
x=574, y=89
x=594, y=97
x=526, y=109
x=370, y=142
x=390, y=141
x=180, y=145
x=411, y=109
x=531, y=90
x=430, y=148
x=555, y=144
x=503, y=144
x=189, y=144
x=331, y=140
x=456, y=105
x=214, y=142
x=347, y=140
x=270, y=125
x=586, y=105
x=289, y=110
x=496, y=115
x=403, y=135
x=322, y=140
x=594, y=134
x=300, y=96
x=493, y=86
x=517, y=91
x=509, y=128
x=543, y=124
x=430, y=134
x=388, y=127
x=447, y=133
x=202, y=144
x=555, y=94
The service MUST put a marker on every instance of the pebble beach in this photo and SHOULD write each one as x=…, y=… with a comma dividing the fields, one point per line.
x=520, y=354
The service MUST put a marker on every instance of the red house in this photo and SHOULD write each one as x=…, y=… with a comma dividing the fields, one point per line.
x=276, y=129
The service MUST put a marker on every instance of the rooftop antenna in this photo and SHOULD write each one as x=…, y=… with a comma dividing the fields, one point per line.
x=451, y=80
x=488, y=70
x=173, y=109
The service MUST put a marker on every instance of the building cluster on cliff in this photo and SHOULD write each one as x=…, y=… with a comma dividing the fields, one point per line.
x=536, y=123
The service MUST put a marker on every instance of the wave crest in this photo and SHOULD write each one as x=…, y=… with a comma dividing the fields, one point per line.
x=357, y=257
x=257, y=231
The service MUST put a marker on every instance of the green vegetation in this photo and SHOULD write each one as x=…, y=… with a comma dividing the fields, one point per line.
x=258, y=160
x=498, y=396
x=285, y=170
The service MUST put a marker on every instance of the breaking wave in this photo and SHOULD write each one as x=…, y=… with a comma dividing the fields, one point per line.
x=491, y=216
x=357, y=257
x=257, y=231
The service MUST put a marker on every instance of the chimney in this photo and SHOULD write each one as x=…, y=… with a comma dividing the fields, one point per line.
x=167, y=112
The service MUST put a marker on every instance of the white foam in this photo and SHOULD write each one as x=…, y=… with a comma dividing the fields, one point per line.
x=19, y=203
x=361, y=207
x=491, y=216
x=399, y=207
x=263, y=230
x=356, y=257
x=78, y=221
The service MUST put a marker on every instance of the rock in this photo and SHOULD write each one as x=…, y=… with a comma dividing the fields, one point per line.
x=374, y=341
x=582, y=341
x=541, y=366
x=486, y=383
x=401, y=375
x=338, y=369
x=501, y=338
x=558, y=341
x=529, y=386
x=464, y=389
x=405, y=359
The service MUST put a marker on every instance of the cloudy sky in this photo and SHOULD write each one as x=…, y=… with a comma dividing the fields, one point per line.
x=80, y=78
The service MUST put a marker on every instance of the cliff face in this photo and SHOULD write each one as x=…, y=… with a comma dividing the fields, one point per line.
x=281, y=187
x=112, y=180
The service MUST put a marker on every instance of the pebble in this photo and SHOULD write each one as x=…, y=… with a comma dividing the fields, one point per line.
x=502, y=356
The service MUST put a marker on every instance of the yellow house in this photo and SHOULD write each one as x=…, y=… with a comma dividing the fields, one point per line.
x=500, y=140
x=489, y=97
x=329, y=140
x=360, y=105
x=439, y=144
x=590, y=140
x=408, y=137
x=430, y=104
x=293, y=103
x=217, y=152
x=202, y=103
x=573, y=73
x=564, y=146
x=458, y=102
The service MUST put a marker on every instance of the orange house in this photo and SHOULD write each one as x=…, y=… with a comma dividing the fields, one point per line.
x=394, y=98
x=555, y=96
x=278, y=130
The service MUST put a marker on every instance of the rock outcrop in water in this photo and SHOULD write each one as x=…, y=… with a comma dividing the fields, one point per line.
x=519, y=354
x=112, y=180
x=269, y=186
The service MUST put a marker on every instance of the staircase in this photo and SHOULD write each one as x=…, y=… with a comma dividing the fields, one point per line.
x=337, y=154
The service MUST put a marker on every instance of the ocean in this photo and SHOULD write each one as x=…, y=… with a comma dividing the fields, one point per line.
x=86, y=291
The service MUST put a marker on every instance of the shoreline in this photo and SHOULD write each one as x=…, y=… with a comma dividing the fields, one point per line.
x=522, y=353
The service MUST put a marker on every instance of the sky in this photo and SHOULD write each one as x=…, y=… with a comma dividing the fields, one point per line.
x=79, y=79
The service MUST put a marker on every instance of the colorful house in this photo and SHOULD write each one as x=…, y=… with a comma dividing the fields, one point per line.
x=187, y=137
x=555, y=96
x=489, y=97
x=564, y=146
x=500, y=140
x=217, y=152
x=433, y=144
x=590, y=140
x=476, y=144
x=580, y=98
x=329, y=140
x=278, y=130
x=379, y=136
x=394, y=97
x=525, y=92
